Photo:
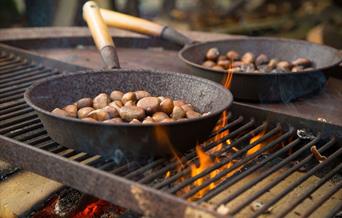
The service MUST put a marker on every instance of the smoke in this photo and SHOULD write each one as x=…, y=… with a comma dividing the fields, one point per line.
x=291, y=87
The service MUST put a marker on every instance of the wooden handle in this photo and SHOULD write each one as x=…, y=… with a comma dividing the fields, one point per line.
x=127, y=22
x=100, y=34
x=96, y=24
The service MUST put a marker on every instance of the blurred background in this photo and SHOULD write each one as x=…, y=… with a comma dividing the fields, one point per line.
x=314, y=20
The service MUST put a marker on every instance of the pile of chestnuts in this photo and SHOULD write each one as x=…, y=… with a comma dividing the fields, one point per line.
x=130, y=107
x=250, y=63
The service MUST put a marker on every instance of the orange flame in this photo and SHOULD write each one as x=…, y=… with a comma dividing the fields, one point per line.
x=258, y=146
x=163, y=139
x=229, y=78
x=227, y=84
x=168, y=174
x=205, y=161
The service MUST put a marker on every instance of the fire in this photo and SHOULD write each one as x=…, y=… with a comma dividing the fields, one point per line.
x=162, y=137
x=91, y=209
x=97, y=209
x=168, y=174
x=258, y=146
x=229, y=78
x=227, y=84
x=205, y=161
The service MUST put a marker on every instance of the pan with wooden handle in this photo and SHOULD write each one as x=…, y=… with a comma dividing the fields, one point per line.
x=276, y=86
x=123, y=140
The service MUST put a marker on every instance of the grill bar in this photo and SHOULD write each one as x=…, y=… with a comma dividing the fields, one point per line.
x=17, y=119
x=43, y=74
x=298, y=182
x=16, y=113
x=31, y=134
x=22, y=72
x=191, y=155
x=223, y=186
x=24, y=130
x=216, y=166
x=14, y=87
x=10, y=66
x=12, y=109
x=12, y=95
x=18, y=126
x=336, y=211
x=6, y=56
x=38, y=140
x=278, y=179
x=11, y=104
x=215, y=132
x=236, y=166
x=273, y=169
x=120, y=169
x=225, y=172
x=33, y=72
x=244, y=137
x=46, y=145
x=310, y=190
x=9, y=70
x=142, y=169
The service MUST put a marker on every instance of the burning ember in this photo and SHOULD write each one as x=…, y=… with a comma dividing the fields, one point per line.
x=97, y=209
x=73, y=204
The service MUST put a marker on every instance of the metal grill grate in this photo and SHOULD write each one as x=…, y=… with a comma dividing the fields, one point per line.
x=284, y=154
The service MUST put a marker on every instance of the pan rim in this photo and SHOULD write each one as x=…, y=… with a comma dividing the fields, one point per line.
x=185, y=48
x=225, y=106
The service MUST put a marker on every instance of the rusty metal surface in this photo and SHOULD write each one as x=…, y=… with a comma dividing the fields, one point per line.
x=61, y=44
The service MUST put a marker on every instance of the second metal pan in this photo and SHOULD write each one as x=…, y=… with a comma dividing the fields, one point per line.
x=121, y=141
x=258, y=87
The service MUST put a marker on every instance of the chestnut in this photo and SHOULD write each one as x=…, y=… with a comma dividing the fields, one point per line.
x=212, y=54
x=166, y=105
x=116, y=95
x=128, y=113
x=101, y=101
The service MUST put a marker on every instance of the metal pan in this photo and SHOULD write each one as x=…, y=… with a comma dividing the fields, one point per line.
x=259, y=87
x=132, y=141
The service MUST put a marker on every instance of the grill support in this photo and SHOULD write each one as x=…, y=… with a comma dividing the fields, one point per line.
x=139, y=198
